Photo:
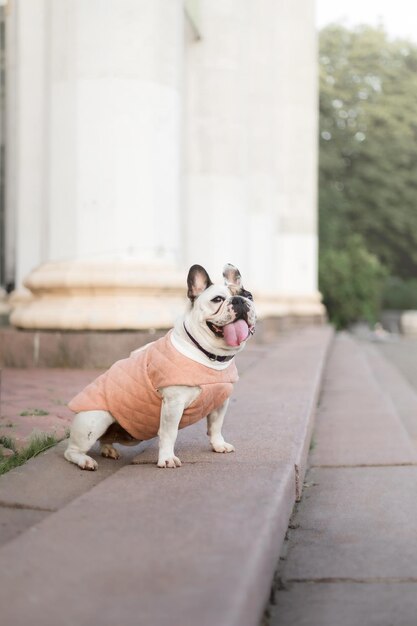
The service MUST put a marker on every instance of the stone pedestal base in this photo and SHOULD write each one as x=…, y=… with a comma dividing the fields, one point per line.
x=125, y=295
x=282, y=305
x=119, y=295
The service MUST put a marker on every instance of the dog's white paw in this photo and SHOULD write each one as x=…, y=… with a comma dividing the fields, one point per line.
x=79, y=458
x=109, y=452
x=222, y=447
x=172, y=461
x=87, y=463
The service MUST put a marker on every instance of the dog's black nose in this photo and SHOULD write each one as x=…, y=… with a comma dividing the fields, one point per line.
x=240, y=307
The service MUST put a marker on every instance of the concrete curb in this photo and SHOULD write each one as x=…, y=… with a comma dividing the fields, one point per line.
x=197, y=545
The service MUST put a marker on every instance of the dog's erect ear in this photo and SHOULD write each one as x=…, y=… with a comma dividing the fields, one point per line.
x=232, y=278
x=197, y=280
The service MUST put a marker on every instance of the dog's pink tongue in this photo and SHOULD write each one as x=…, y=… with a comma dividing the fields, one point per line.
x=235, y=333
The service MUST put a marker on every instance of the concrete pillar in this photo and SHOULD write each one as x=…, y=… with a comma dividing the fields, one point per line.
x=26, y=108
x=251, y=149
x=136, y=155
x=282, y=148
x=100, y=114
x=216, y=135
x=296, y=150
x=263, y=97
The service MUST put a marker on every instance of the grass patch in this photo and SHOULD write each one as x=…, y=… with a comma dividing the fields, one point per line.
x=33, y=412
x=37, y=444
x=8, y=442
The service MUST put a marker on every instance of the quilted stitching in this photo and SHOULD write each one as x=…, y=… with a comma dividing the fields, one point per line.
x=129, y=389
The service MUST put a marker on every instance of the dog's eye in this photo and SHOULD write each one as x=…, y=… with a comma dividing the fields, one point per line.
x=218, y=299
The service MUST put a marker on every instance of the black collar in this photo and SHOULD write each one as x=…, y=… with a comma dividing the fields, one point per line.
x=210, y=355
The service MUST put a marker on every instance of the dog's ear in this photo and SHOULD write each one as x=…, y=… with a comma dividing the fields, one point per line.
x=232, y=278
x=197, y=280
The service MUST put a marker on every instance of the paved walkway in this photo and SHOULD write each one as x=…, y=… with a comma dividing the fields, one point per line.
x=351, y=554
x=198, y=545
x=34, y=401
x=140, y=546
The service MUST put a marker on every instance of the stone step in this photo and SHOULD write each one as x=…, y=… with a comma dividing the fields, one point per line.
x=195, y=545
x=352, y=558
x=394, y=384
x=90, y=349
x=357, y=422
x=351, y=554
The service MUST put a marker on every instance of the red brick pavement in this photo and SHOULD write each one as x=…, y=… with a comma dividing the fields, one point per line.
x=34, y=400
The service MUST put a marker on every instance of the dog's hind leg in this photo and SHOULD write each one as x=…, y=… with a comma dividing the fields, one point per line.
x=109, y=451
x=115, y=434
x=87, y=427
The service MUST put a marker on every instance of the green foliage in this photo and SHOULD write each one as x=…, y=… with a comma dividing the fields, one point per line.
x=399, y=294
x=368, y=145
x=351, y=281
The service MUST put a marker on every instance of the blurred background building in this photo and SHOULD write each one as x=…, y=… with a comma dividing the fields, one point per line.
x=142, y=136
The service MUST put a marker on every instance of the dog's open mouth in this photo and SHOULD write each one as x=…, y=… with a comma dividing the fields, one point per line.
x=216, y=330
x=234, y=333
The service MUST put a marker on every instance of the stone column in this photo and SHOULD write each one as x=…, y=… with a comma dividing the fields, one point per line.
x=296, y=150
x=103, y=161
x=216, y=149
x=26, y=111
x=263, y=96
x=251, y=149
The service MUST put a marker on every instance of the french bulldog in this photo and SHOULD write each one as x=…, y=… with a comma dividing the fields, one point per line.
x=186, y=375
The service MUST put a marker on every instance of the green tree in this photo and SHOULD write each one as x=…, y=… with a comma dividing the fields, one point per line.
x=351, y=280
x=368, y=145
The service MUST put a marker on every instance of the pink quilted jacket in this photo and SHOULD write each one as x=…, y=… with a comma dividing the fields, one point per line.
x=129, y=389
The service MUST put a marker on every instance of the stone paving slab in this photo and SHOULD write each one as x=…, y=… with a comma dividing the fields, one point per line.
x=45, y=484
x=392, y=381
x=402, y=352
x=146, y=546
x=356, y=421
x=361, y=437
x=49, y=482
x=13, y=521
x=356, y=523
x=346, y=604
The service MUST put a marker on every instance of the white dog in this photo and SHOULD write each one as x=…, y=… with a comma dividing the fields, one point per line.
x=186, y=375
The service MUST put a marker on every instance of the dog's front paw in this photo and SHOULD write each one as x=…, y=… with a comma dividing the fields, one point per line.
x=88, y=464
x=83, y=461
x=171, y=461
x=222, y=447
